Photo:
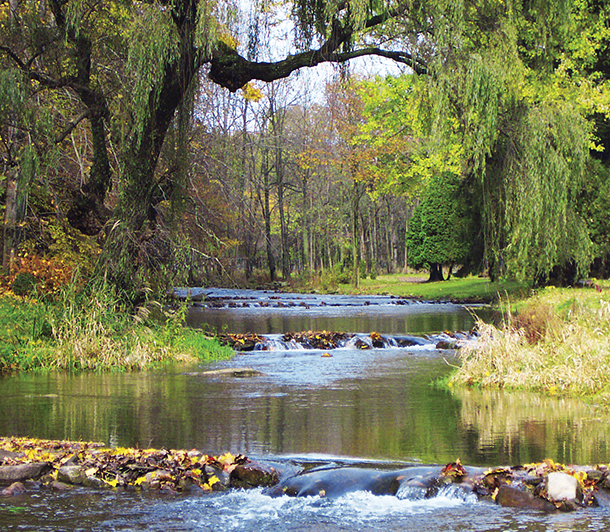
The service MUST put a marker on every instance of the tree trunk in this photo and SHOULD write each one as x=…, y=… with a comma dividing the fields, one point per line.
x=436, y=272
x=12, y=230
x=356, y=195
x=133, y=249
x=267, y=215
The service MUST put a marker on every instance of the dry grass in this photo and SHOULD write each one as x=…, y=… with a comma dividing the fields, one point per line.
x=559, y=342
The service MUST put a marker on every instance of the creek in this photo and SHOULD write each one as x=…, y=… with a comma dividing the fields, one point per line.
x=373, y=408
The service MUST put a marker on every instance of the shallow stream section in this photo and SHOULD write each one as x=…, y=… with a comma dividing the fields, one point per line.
x=374, y=408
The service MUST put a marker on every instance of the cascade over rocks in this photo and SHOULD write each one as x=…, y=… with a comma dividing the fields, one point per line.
x=60, y=465
x=321, y=340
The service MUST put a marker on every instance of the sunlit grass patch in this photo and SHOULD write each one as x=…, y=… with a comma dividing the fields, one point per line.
x=558, y=342
x=414, y=286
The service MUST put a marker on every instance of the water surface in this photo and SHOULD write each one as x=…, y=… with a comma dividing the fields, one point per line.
x=375, y=408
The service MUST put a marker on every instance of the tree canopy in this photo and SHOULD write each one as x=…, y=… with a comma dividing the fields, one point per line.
x=99, y=102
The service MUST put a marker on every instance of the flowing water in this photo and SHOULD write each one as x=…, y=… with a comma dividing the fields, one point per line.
x=371, y=408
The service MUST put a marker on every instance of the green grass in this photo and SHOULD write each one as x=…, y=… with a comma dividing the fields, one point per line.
x=414, y=286
x=79, y=332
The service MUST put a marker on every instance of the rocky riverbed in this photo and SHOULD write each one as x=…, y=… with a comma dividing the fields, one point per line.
x=28, y=464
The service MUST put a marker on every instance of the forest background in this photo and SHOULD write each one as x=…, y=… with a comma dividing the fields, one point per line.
x=125, y=158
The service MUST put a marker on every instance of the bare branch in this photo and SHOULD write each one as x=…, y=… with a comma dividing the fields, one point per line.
x=72, y=125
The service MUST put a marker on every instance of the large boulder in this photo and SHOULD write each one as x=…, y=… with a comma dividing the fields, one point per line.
x=21, y=472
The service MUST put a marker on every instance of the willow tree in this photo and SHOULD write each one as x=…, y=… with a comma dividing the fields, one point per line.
x=523, y=139
x=132, y=67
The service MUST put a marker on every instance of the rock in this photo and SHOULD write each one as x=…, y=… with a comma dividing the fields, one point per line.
x=230, y=372
x=444, y=344
x=360, y=344
x=595, y=475
x=252, y=475
x=602, y=498
x=60, y=486
x=16, y=488
x=17, y=473
x=94, y=482
x=9, y=454
x=153, y=479
x=72, y=474
x=515, y=498
x=337, y=482
x=224, y=479
x=562, y=487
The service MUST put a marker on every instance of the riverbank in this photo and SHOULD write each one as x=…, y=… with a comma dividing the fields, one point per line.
x=557, y=341
x=93, y=332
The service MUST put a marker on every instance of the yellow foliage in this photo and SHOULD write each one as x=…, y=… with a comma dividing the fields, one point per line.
x=229, y=40
x=251, y=93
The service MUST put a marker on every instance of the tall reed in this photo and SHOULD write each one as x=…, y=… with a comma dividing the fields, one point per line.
x=92, y=330
x=559, y=342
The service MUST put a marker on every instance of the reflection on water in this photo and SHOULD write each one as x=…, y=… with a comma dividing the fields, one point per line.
x=524, y=426
x=376, y=404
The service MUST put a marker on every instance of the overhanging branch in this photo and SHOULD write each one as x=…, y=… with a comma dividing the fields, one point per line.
x=231, y=70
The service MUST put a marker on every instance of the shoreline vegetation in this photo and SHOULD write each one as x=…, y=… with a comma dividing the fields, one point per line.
x=557, y=342
x=554, y=340
x=91, y=331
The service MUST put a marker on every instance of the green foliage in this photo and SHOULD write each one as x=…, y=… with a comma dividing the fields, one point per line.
x=23, y=284
x=439, y=231
x=539, y=166
x=153, y=45
x=593, y=204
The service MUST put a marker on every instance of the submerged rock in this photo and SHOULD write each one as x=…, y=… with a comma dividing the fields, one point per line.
x=514, y=498
x=16, y=488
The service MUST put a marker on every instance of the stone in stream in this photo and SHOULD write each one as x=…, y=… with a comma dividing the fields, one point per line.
x=17, y=473
x=337, y=482
x=252, y=474
x=56, y=485
x=71, y=474
x=564, y=488
x=514, y=498
x=16, y=488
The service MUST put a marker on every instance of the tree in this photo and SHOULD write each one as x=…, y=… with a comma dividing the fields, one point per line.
x=127, y=72
x=440, y=232
x=78, y=46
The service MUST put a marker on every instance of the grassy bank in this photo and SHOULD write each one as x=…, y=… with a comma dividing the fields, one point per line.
x=78, y=332
x=558, y=341
x=414, y=286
